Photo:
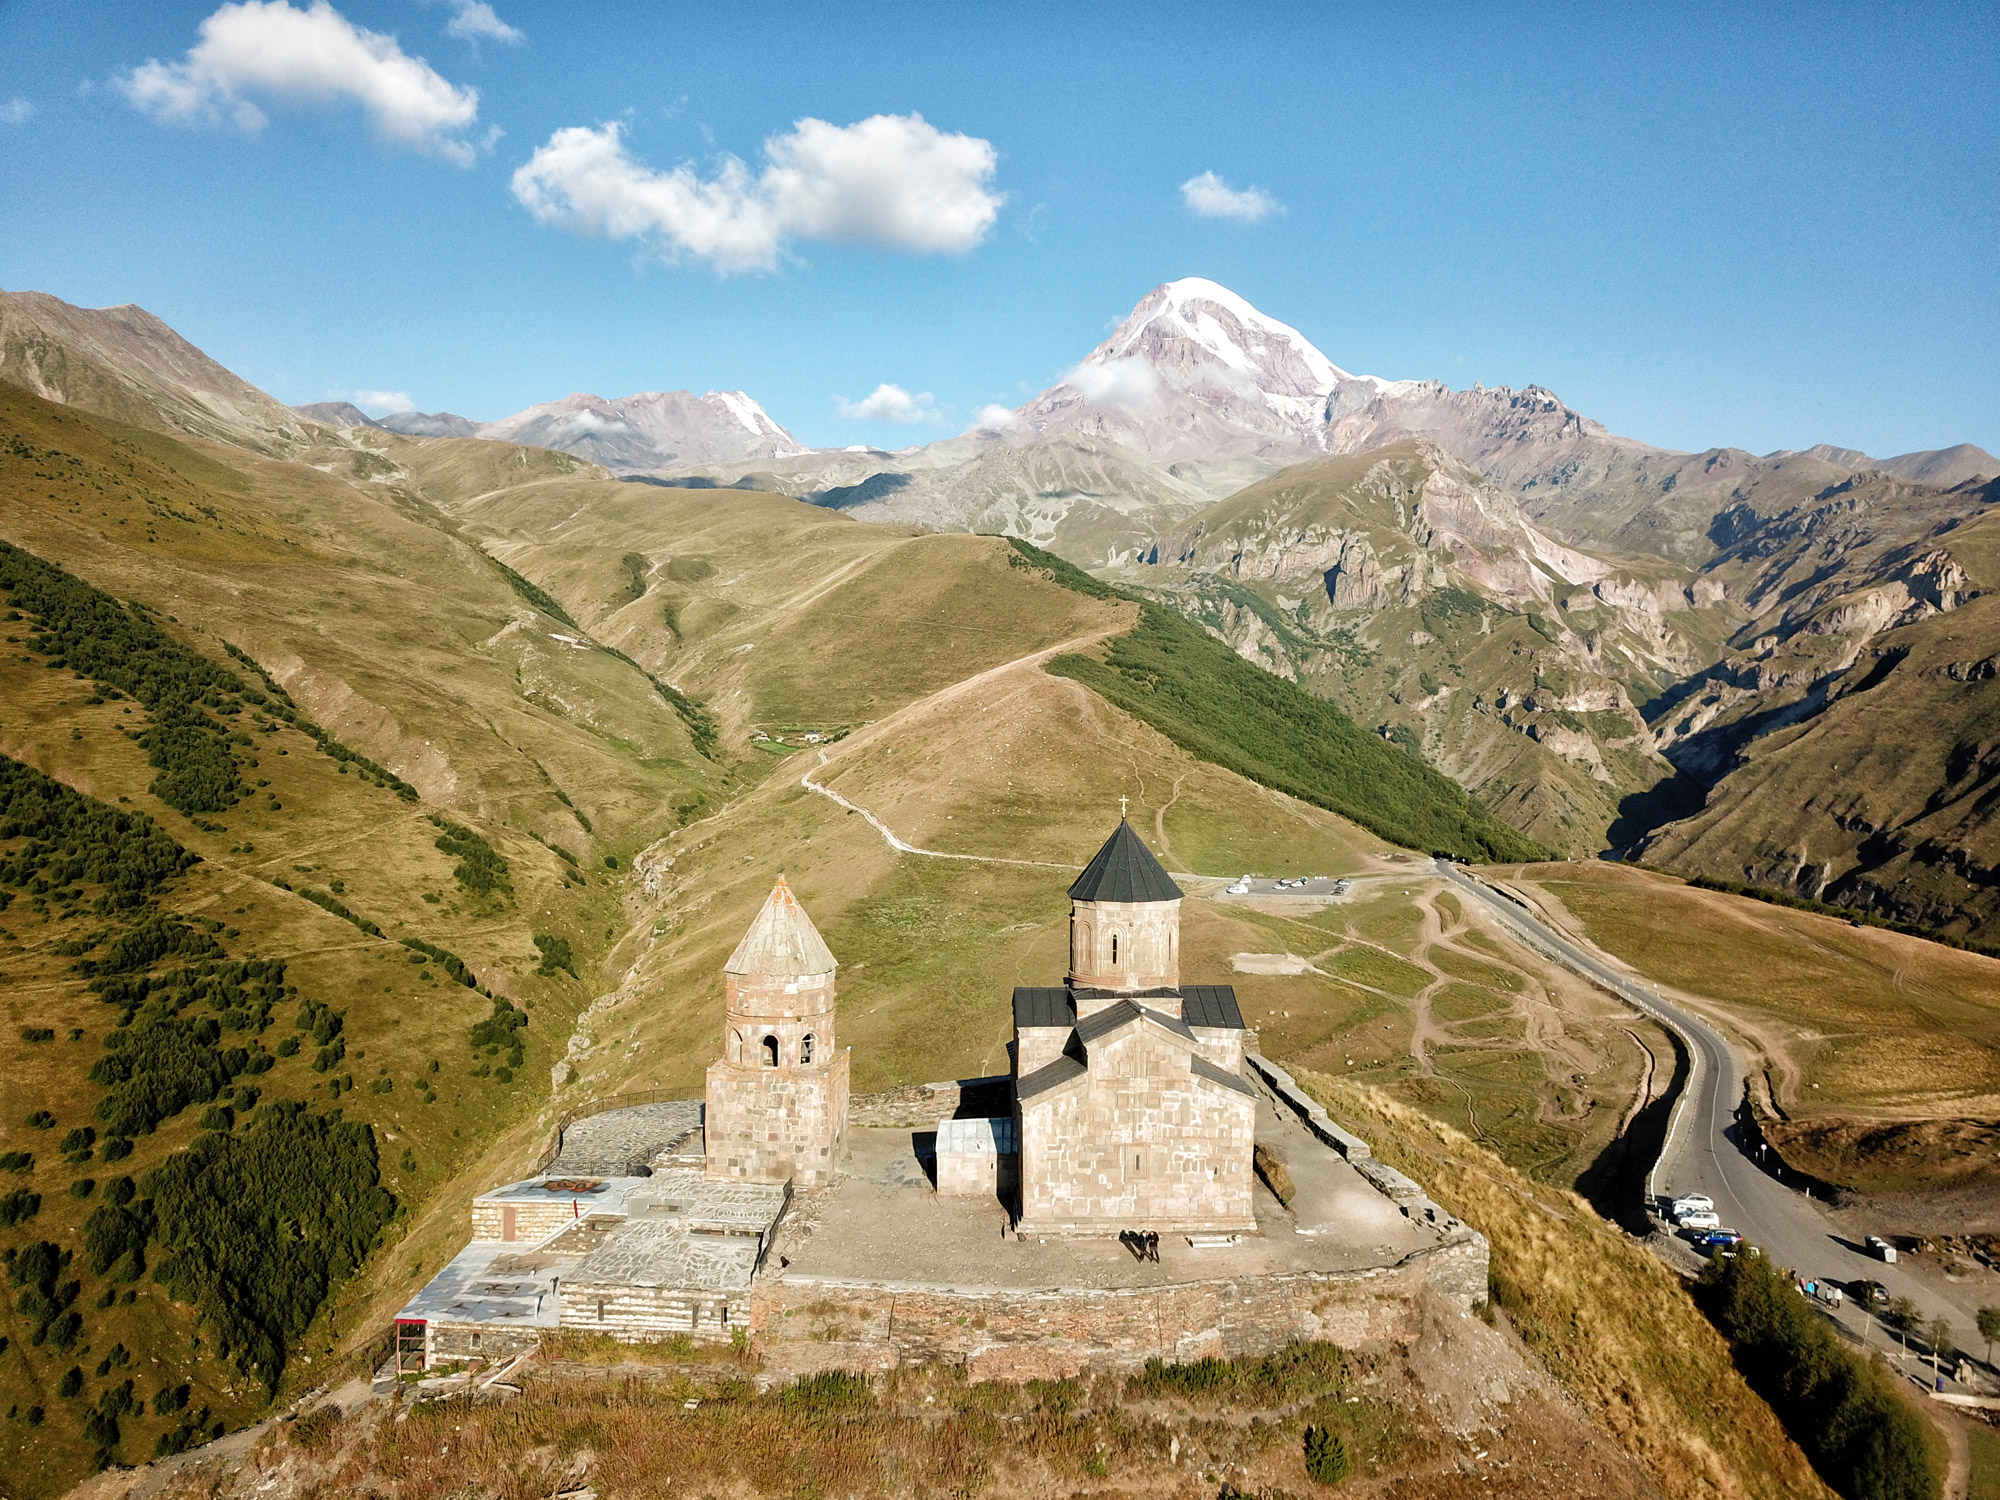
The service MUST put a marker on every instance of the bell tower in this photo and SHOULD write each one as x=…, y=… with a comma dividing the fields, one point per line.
x=777, y=1097
x=1124, y=927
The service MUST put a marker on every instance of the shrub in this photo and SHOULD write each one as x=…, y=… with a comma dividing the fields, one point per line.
x=555, y=955
x=1326, y=1455
x=315, y=1431
x=18, y=1207
x=38, y=1033
x=830, y=1393
x=17, y=1161
x=71, y=1382
x=481, y=870
x=41, y=1119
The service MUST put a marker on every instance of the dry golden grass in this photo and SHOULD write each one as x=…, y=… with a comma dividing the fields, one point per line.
x=1854, y=1019
x=1605, y=1317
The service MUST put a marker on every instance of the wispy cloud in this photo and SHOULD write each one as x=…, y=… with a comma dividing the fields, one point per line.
x=475, y=21
x=890, y=403
x=891, y=180
x=265, y=49
x=1212, y=198
x=377, y=403
x=16, y=111
x=995, y=418
x=1127, y=384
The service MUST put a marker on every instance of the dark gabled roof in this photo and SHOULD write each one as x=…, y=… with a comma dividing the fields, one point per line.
x=1203, y=1068
x=1124, y=870
x=1043, y=1007
x=1053, y=1075
x=1211, y=1005
x=1126, y=1013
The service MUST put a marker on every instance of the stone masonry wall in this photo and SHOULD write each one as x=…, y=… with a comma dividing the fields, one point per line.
x=801, y=1326
x=640, y=1313
x=770, y=1124
x=1192, y=1141
x=534, y=1218
x=1149, y=955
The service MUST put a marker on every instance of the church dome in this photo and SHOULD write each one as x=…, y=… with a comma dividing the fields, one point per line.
x=782, y=942
x=1125, y=870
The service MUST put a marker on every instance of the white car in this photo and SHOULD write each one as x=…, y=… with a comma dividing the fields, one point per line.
x=1693, y=1203
x=1241, y=888
x=1701, y=1218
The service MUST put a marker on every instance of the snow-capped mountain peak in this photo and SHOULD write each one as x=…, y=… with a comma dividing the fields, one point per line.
x=1214, y=319
x=1196, y=372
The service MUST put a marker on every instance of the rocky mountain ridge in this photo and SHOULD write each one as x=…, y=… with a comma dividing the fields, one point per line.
x=1616, y=645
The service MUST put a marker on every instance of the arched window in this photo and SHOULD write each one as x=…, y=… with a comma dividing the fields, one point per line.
x=736, y=1046
x=1083, y=949
x=1114, y=950
x=806, y=1048
x=770, y=1052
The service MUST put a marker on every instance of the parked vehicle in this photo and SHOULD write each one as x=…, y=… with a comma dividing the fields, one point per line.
x=1692, y=1203
x=1241, y=888
x=1882, y=1249
x=1870, y=1294
x=1700, y=1219
x=1716, y=1238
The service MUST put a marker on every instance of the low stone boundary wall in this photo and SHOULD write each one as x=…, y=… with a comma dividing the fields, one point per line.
x=806, y=1325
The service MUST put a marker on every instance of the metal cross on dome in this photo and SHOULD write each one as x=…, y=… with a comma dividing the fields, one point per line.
x=1121, y=809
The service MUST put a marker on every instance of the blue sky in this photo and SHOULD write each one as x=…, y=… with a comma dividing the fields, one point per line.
x=1761, y=226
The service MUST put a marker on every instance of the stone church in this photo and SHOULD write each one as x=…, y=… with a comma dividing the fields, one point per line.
x=1131, y=1110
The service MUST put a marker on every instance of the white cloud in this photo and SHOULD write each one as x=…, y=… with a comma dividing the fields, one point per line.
x=378, y=403
x=995, y=418
x=890, y=180
x=1212, y=198
x=475, y=19
x=16, y=111
x=312, y=56
x=1128, y=384
x=889, y=403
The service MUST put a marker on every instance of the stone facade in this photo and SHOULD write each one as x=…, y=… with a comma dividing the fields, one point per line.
x=1141, y=1138
x=1124, y=945
x=777, y=1097
x=1132, y=1107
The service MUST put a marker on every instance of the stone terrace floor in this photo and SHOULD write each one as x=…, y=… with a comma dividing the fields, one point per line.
x=881, y=1223
x=625, y=1142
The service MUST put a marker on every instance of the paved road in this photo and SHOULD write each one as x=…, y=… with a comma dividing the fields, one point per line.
x=1701, y=1153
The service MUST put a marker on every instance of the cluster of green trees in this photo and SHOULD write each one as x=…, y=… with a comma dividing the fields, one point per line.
x=45, y=1296
x=280, y=706
x=69, y=839
x=556, y=955
x=450, y=962
x=126, y=653
x=1842, y=1408
x=502, y=1030
x=257, y=1227
x=331, y=904
x=481, y=869
x=1191, y=687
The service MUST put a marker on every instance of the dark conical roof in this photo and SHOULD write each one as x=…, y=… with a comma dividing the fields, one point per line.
x=1124, y=870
